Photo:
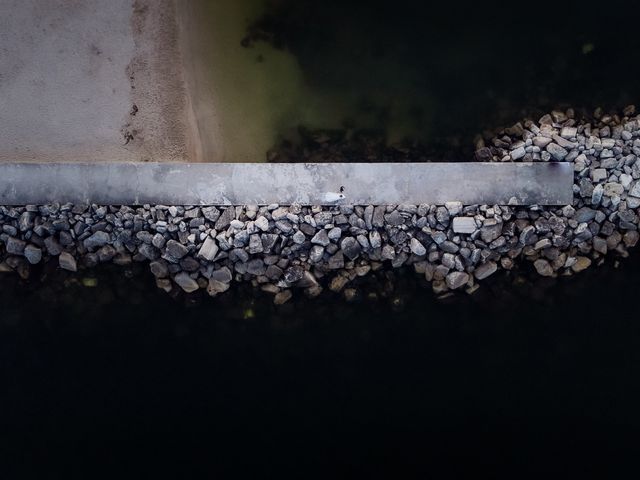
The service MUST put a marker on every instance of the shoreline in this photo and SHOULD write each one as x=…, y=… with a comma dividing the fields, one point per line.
x=280, y=248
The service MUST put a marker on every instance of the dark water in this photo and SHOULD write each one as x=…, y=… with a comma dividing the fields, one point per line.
x=538, y=377
x=440, y=72
x=519, y=374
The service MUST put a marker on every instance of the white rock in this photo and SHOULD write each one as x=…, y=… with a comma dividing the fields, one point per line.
x=454, y=208
x=464, y=225
x=625, y=180
x=568, y=132
x=518, y=153
x=209, y=249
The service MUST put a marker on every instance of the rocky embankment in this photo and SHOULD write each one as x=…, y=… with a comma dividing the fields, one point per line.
x=282, y=248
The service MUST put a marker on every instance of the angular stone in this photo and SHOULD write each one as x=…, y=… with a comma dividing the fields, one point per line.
x=225, y=218
x=543, y=267
x=184, y=281
x=15, y=246
x=176, y=250
x=97, y=240
x=67, y=262
x=456, y=280
x=417, y=248
x=33, y=254
x=464, y=225
x=209, y=249
x=222, y=275
x=485, y=270
x=350, y=247
x=557, y=152
x=321, y=238
x=159, y=269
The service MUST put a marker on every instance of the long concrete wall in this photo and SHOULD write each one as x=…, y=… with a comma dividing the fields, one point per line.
x=306, y=184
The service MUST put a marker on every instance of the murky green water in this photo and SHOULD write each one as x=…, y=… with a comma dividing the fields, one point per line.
x=411, y=71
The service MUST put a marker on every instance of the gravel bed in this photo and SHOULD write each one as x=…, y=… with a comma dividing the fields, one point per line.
x=285, y=248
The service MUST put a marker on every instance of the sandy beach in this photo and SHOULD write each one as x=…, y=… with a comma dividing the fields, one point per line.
x=92, y=80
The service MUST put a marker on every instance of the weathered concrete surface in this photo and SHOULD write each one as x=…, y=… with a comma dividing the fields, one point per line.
x=307, y=184
x=72, y=71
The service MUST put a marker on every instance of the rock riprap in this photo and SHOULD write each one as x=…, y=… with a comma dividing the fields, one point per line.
x=281, y=248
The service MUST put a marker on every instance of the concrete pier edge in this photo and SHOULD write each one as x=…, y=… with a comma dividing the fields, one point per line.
x=123, y=183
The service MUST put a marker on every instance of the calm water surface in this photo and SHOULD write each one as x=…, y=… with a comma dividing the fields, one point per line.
x=516, y=374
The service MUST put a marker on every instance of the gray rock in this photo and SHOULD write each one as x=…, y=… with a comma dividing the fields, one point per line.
x=350, y=247
x=209, y=249
x=67, y=262
x=97, y=240
x=557, y=152
x=455, y=280
x=262, y=223
x=543, y=267
x=321, y=238
x=53, y=247
x=417, y=248
x=584, y=214
x=176, y=250
x=293, y=274
x=635, y=190
x=222, y=274
x=375, y=240
x=464, y=225
x=184, y=281
x=159, y=269
x=15, y=246
x=33, y=254
x=491, y=229
x=216, y=287
x=256, y=267
x=282, y=297
x=485, y=270
x=316, y=253
x=225, y=219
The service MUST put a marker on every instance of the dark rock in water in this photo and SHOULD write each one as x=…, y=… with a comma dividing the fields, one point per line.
x=350, y=247
x=456, y=280
x=159, y=269
x=148, y=251
x=176, y=250
x=282, y=297
x=185, y=282
x=96, y=240
x=106, y=253
x=485, y=270
x=67, y=262
x=217, y=287
x=15, y=246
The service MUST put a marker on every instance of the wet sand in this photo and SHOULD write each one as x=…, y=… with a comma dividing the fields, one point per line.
x=92, y=80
